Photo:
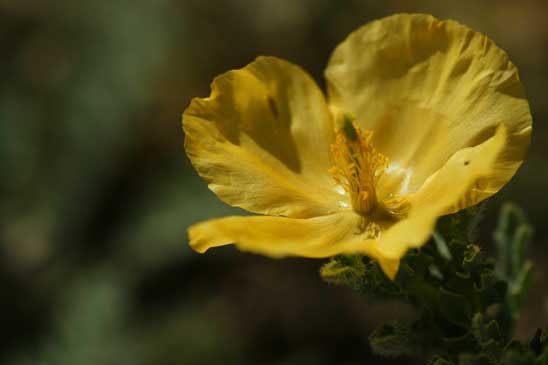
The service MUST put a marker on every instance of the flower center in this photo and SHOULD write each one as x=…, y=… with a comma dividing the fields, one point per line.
x=358, y=168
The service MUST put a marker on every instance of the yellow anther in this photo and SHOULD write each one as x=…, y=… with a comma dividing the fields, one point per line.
x=396, y=206
x=358, y=166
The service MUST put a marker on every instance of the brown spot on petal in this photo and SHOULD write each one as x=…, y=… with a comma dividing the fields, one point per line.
x=272, y=106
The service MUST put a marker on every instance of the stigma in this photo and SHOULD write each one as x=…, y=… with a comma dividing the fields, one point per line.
x=358, y=167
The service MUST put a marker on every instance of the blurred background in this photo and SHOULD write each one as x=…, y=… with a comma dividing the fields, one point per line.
x=96, y=191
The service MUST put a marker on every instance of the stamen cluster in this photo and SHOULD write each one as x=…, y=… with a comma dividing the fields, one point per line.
x=358, y=166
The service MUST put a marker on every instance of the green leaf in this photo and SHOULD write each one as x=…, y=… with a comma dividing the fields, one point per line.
x=454, y=307
x=521, y=284
x=439, y=360
x=394, y=340
x=461, y=226
x=513, y=235
x=474, y=359
x=435, y=272
x=485, y=329
x=518, y=358
x=441, y=246
x=488, y=336
x=343, y=270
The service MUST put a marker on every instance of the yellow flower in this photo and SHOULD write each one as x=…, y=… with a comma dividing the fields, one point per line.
x=422, y=118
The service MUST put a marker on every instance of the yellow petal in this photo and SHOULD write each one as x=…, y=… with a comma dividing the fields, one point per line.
x=319, y=237
x=280, y=236
x=428, y=88
x=441, y=193
x=261, y=140
x=344, y=232
x=389, y=266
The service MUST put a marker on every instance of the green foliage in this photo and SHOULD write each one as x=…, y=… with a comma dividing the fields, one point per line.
x=512, y=236
x=440, y=360
x=395, y=339
x=466, y=302
x=362, y=273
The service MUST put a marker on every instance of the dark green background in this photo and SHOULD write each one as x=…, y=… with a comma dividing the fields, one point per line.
x=96, y=192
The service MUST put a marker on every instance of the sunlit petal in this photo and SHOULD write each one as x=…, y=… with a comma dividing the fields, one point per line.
x=261, y=140
x=280, y=236
x=428, y=88
x=443, y=191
